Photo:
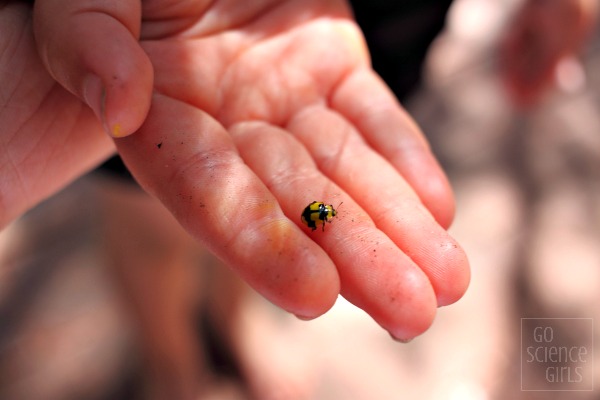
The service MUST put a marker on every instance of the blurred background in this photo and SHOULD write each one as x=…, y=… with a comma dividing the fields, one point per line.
x=527, y=183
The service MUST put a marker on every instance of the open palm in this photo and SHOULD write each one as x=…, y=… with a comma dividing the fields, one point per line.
x=257, y=110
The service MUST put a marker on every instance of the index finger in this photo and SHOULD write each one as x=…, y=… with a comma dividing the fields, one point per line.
x=186, y=159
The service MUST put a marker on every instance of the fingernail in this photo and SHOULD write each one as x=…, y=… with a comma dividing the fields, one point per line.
x=303, y=318
x=397, y=339
x=94, y=95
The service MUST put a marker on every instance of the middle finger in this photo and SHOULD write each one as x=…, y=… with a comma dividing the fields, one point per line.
x=374, y=273
x=343, y=155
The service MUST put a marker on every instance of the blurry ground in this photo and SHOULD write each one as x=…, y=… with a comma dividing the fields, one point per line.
x=528, y=194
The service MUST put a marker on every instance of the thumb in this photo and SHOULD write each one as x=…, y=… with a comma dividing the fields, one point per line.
x=91, y=48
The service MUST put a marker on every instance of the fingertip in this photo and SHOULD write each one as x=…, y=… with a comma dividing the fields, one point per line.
x=457, y=274
x=119, y=88
x=92, y=50
x=312, y=291
x=421, y=169
x=396, y=293
x=301, y=279
x=416, y=315
x=407, y=333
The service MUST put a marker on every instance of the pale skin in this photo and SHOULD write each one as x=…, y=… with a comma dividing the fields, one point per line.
x=236, y=115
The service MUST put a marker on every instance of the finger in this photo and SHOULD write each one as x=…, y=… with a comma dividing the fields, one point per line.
x=374, y=274
x=368, y=104
x=187, y=160
x=91, y=48
x=48, y=138
x=342, y=155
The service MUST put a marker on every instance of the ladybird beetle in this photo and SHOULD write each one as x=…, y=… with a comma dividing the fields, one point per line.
x=318, y=213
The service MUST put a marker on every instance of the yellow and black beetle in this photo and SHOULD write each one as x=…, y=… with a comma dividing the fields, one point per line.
x=318, y=213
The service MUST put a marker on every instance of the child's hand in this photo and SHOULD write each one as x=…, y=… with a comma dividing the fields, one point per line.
x=257, y=111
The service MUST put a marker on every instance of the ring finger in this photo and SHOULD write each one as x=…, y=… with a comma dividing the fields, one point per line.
x=374, y=273
x=342, y=154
